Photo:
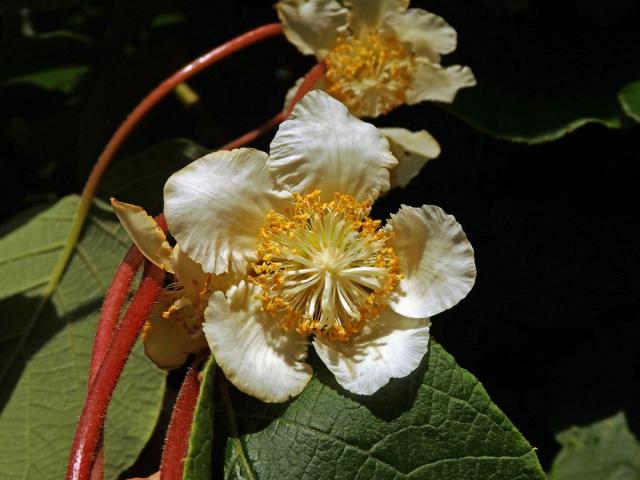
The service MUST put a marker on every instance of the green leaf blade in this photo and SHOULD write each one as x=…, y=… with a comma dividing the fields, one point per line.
x=198, y=461
x=532, y=120
x=438, y=423
x=47, y=346
x=605, y=450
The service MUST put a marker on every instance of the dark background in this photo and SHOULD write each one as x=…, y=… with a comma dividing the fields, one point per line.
x=551, y=327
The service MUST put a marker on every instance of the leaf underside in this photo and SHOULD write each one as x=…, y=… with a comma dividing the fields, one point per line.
x=46, y=345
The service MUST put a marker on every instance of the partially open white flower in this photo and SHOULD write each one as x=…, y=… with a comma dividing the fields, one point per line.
x=378, y=54
x=317, y=265
x=174, y=327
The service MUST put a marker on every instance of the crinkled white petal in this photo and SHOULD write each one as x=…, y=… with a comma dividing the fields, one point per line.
x=436, y=260
x=412, y=149
x=322, y=146
x=312, y=25
x=390, y=346
x=167, y=343
x=256, y=355
x=145, y=233
x=423, y=33
x=436, y=83
x=367, y=15
x=216, y=205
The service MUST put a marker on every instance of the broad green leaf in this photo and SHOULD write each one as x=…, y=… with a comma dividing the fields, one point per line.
x=46, y=345
x=532, y=120
x=198, y=461
x=605, y=450
x=438, y=423
x=630, y=100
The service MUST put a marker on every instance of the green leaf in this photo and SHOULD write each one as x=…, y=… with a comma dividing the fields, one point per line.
x=606, y=450
x=630, y=99
x=198, y=461
x=44, y=59
x=46, y=345
x=532, y=120
x=438, y=423
x=63, y=79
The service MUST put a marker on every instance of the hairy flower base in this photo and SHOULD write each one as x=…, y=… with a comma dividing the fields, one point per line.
x=372, y=69
x=325, y=267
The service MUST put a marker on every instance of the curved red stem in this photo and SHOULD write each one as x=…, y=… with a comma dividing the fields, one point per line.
x=162, y=90
x=89, y=429
x=176, y=444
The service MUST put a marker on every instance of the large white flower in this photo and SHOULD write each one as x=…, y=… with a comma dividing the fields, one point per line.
x=317, y=266
x=379, y=54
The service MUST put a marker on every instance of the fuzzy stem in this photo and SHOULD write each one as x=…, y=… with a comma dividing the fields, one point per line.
x=113, y=302
x=89, y=429
x=176, y=443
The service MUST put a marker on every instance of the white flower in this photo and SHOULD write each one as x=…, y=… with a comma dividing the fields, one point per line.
x=317, y=266
x=174, y=327
x=378, y=54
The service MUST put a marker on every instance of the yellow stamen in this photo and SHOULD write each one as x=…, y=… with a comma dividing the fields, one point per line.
x=370, y=75
x=325, y=267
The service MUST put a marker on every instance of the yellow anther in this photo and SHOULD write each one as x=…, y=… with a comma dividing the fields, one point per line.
x=371, y=75
x=329, y=270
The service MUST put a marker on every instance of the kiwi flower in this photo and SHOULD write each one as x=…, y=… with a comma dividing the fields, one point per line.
x=378, y=55
x=295, y=225
x=174, y=328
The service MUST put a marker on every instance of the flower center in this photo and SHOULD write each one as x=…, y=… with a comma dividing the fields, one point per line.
x=370, y=75
x=325, y=267
x=186, y=307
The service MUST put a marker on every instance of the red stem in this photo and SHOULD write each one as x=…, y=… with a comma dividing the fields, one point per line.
x=89, y=429
x=162, y=90
x=307, y=84
x=310, y=79
x=176, y=445
x=113, y=302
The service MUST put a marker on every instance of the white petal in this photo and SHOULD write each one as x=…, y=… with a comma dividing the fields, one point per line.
x=322, y=146
x=436, y=259
x=367, y=15
x=312, y=25
x=390, y=346
x=256, y=355
x=188, y=273
x=425, y=34
x=145, y=233
x=167, y=343
x=412, y=149
x=433, y=82
x=216, y=205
